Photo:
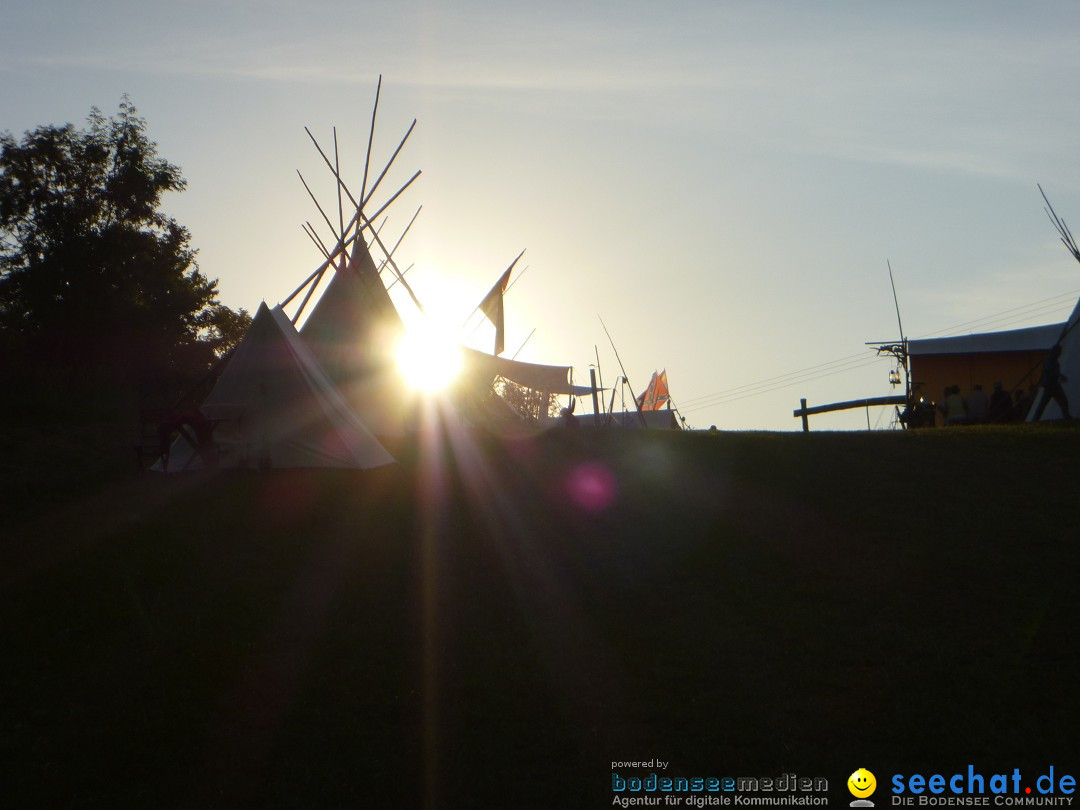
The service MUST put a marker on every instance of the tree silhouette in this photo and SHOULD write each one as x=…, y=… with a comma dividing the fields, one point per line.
x=94, y=279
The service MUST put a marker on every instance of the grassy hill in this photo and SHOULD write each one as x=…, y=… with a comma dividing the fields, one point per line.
x=494, y=623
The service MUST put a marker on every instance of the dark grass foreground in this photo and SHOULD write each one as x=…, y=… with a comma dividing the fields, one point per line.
x=495, y=625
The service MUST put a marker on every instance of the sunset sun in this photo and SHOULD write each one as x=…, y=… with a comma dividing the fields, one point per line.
x=428, y=360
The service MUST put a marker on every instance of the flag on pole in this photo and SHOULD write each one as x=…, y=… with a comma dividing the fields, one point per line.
x=657, y=395
x=492, y=306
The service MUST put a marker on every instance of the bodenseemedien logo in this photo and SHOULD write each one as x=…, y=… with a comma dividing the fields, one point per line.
x=862, y=785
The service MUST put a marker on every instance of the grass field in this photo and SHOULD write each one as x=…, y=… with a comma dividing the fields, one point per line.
x=494, y=623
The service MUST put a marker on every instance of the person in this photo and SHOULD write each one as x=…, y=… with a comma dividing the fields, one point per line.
x=978, y=406
x=918, y=412
x=1000, y=404
x=955, y=412
x=1051, y=381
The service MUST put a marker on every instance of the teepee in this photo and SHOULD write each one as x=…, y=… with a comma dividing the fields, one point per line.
x=274, y=407
x=353, y=332
x=1069, y=341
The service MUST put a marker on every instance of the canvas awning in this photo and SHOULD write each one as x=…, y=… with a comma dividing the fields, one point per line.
x=552, y=379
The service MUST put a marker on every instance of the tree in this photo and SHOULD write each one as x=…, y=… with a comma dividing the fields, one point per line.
x=528, y=402
x=94, y=278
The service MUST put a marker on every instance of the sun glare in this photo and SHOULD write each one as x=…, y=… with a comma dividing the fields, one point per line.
x=428, y=360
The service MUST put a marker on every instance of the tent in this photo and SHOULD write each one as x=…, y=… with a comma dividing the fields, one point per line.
x=353, y=333
x=1069, y=340
x=274, y=406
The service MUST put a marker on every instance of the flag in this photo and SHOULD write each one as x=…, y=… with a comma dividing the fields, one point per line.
x=492, y=306
x=657, y=395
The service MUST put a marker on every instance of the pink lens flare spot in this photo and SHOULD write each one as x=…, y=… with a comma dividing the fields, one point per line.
x=591, y=486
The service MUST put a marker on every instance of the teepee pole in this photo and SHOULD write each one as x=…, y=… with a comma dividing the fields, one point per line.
x=371, y=138
x=389, y=258
x=360, y=222
x=1062, y=228
x=307, y=298
x=337, y=174
x=310, y=231
x=315, y=279
x=329, y=224
x=306, y=281
x=334, y=168
x=403, y=273
x=360, y=218
x=367, y=198
x=397, y=244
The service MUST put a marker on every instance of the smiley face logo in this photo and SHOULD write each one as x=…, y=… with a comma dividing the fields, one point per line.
x=861, y=783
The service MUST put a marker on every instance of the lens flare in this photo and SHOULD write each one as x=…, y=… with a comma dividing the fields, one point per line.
x=591, y=486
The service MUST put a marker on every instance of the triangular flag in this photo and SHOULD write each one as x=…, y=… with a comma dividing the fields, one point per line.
x=492, y=306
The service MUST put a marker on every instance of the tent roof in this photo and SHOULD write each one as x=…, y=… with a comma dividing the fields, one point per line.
x=552, y=379
x=1033, y=338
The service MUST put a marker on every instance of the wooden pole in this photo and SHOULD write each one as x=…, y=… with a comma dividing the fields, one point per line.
x=306, y=281
x=403, y=272
x=318, y=276
x=599, y=370
x=314, y=237
x=337, y=174
x=359, y=217
x=637, y=404
x=595, y=398
x=329, y=224
x=397, y=244
x=390, y=259
x=804, y=411
x=310, y=292
x=371, y=137
x=805, y=418
x=522, y=346
x=611, y=405
x=364, y=200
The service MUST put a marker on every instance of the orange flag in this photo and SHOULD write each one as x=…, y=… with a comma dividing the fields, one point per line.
x=657, y=395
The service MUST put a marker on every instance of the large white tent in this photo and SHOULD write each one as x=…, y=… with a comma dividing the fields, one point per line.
x=1070, y=371
x=1069, y=340
x=353, y=333
x=274, y=407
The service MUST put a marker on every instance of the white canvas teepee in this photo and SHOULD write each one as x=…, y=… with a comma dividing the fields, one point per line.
x=274, y=406
x=353, y=332
x=1069, y=360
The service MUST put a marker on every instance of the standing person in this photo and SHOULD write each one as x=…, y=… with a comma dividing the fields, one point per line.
x=1051, y=381
x=955, y=412
x=1000, y=404
x=978, y=406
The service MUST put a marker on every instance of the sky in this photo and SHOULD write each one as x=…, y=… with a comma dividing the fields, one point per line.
x=724, y=184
